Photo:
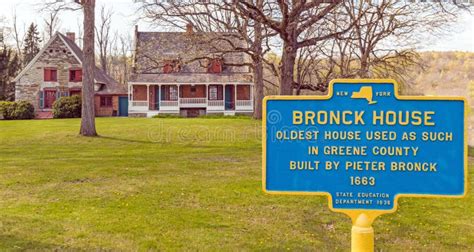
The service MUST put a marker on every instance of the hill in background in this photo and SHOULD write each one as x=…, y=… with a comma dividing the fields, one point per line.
x=445, y=74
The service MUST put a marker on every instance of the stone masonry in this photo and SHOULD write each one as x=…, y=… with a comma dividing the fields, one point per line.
x=56, y=55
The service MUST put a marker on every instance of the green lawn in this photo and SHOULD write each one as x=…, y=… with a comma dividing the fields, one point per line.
x=181, y=184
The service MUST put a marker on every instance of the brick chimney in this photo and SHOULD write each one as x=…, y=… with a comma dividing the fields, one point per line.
x=189, y=28
x=71, y=36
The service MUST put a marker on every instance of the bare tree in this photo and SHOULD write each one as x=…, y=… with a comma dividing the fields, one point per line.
x=16, y=34
x=381, y=43
x=80, y=34
x=290, y=20
x=103, y=33
x=51, y=21
x=125, y=48
x=88, y=65
x=88, y=62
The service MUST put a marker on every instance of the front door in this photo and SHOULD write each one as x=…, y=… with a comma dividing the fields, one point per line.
x=123, y=106
x=49, y=98
x=229, y=97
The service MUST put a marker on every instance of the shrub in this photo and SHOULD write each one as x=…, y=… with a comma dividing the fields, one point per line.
x=24, y=110
x=67, y=107
x=217, y=116
x=166, y=116
x=17, y=110
x=6, y=109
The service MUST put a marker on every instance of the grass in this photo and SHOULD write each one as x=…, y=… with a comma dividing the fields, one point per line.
x=471, y=151
x=181, y=184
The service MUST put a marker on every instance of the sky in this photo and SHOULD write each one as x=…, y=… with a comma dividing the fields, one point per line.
x=461, y=37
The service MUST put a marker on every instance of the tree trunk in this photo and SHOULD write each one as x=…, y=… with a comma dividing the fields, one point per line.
x=299, y=82
x=103, y=63
x=364, y=67
x=88, y=113
x=258, y=82
x=288, y=60
x=258, y=67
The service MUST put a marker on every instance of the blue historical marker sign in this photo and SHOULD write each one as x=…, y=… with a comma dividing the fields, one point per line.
x=365, y=146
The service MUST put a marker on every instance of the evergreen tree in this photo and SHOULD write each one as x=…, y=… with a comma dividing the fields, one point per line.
x=10, y=65
x=32, y=44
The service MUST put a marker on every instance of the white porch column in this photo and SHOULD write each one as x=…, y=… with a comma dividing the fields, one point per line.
x=159, y=97
x=179, y=95
x=223, y=94
x=129, y=95
x=148, y=95
x=235, y=96
x=207, y=95
x=251, y=95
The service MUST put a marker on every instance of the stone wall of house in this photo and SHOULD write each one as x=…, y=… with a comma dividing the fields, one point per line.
x=56, y=55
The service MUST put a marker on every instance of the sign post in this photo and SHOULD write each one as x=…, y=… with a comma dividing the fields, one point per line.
x=364, y=146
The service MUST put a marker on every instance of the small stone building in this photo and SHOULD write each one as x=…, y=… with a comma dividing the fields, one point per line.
x=56, y=71
x=190, y=73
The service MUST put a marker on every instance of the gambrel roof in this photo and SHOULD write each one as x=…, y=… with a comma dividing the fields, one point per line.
x=110, y=85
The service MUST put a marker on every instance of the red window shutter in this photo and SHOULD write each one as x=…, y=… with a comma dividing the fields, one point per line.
x=79, y=75
x=54, y=75
x=219, y=92
x=47, y=75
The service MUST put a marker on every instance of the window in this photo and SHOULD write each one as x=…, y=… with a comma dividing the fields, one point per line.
x=50, y=74
x=75, y=75
x=212, y=92
x=106, y=101
x=243, y=92
x=168, y=68
x=173, y=93
x=193, y=89
x=75, y=91
x=215, y=66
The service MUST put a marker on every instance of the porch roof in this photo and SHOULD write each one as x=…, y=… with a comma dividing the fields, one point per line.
x=192, y=78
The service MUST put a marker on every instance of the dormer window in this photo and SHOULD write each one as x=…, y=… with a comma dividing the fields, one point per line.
x=168, y=67
x=215, y=66
x=172, y=66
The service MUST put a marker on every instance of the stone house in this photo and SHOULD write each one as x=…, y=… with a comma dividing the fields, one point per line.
x=56, y=71
x=189, y=73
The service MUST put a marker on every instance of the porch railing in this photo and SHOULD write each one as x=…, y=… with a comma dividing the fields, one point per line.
x=139, y=103
x=243, y=103
x=168, y=103
x=215, y=103
x=193, y=100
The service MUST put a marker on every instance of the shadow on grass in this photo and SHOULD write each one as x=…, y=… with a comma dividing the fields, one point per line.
x=10, y=242
x=128, y=140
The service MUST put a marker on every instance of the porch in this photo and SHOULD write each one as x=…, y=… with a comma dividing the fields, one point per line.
x=172, y=98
